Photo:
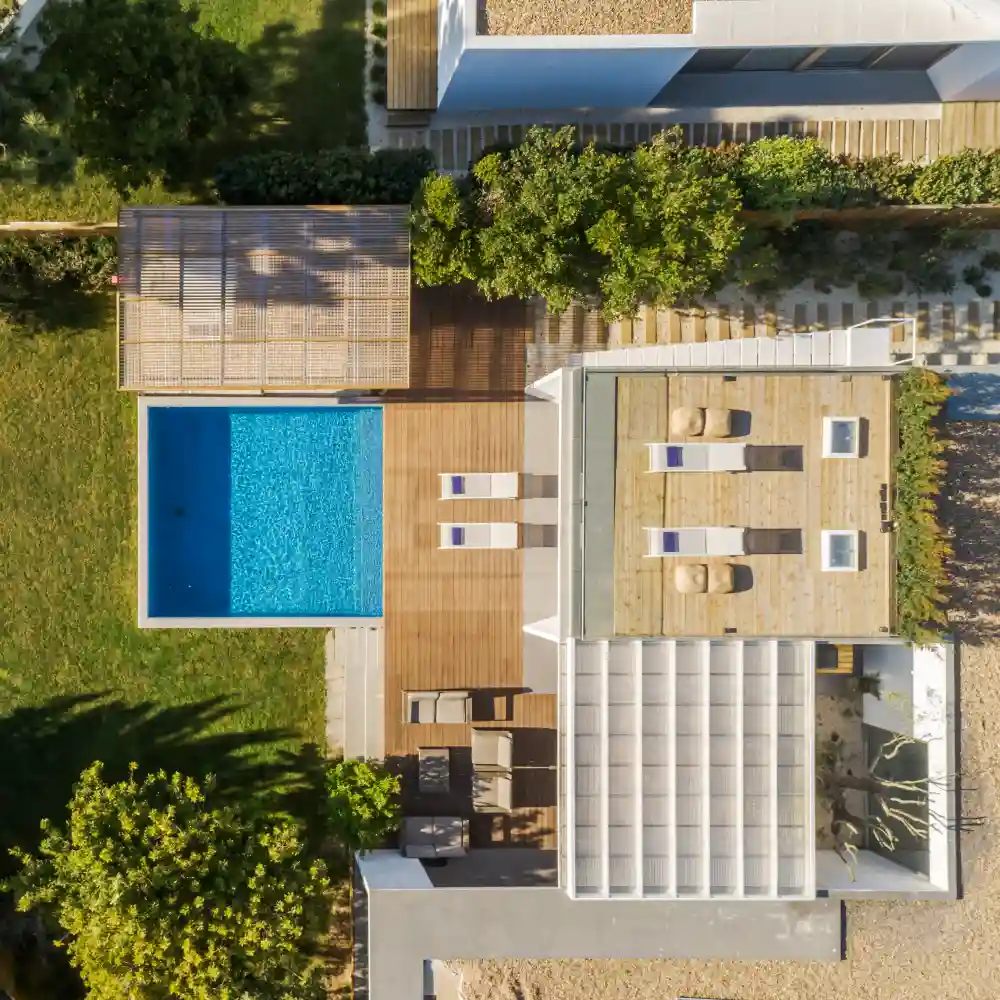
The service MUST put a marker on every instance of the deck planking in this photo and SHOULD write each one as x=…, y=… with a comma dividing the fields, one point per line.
x=790, y=594
x=411, y=55
x=453, y=618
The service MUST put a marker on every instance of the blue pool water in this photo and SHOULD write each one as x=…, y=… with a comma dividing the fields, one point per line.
x=265, y=511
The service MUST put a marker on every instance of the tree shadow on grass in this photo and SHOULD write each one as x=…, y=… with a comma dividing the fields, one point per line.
x=45, y=748
x=57, y=308
x=309, y=88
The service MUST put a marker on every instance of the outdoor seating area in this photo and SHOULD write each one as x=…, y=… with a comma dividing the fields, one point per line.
x=432, y=837
x=492, y=770
x=453, y=707
x=695, y=421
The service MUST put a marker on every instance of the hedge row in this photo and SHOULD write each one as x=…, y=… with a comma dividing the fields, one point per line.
x=346, y=176
x=778, y=174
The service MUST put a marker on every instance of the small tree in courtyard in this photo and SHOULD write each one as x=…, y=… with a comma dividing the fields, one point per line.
x=877, y=807
x=166, y=895
x=362, y=804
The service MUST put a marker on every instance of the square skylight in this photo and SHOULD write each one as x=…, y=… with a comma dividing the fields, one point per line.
x=841, y=437
x=840, y=551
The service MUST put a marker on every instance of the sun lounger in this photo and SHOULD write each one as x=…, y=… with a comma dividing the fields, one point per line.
x=695, y=541
x=489, y=535
x=480, y=485
x=718, y=456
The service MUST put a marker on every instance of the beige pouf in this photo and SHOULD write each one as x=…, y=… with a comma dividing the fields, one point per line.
x=718, y=423
x=691, y=578
x=720, y=578
x=687, y=421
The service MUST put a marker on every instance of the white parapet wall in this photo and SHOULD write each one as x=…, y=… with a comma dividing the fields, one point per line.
x=481, y=72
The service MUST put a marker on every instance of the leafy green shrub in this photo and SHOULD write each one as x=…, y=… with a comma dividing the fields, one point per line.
x=786, y=173
x=546, y=218
x=922, y=549
x=172, y=86
x=346, y=176
x=28, y=264
x=878, y=180
x=969, y=178
x=362, y=804
x=164, y=893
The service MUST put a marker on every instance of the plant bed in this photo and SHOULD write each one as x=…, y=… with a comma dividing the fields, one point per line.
x=922, y=547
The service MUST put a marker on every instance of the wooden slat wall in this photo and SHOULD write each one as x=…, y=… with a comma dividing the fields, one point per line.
x=453, y=618
x=969, y=125
x=412, y=55
x=788, y=594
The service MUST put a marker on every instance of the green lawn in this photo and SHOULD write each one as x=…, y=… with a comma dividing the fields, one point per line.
x=231, y=702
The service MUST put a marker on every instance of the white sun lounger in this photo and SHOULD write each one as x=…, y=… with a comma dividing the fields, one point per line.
x=488, y=535
x=695, y=541
x=715, y=456
x=479, y=485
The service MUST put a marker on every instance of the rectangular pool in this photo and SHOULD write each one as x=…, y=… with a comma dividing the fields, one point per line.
x=259, y=514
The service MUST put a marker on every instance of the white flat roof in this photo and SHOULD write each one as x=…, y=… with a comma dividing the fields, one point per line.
x=688, y=769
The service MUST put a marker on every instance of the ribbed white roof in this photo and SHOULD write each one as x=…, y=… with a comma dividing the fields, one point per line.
x=688, y=769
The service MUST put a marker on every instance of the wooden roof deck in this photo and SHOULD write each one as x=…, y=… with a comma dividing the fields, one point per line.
x=787, y=594
x=412, y=55
x=453, y=618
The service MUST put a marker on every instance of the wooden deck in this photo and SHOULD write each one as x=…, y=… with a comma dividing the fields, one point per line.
x=411, y=56
x=453, y=619
x=786, y=594
x=465, y=347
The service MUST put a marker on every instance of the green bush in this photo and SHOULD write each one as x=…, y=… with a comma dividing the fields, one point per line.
x=29, y=264
x=162, y=892
x=345, y=176
x=878, y=180
x=968, y=178
x=786, y=173
x=922, y=549
x=171, y=86
x=546, y=218
x=362, y=801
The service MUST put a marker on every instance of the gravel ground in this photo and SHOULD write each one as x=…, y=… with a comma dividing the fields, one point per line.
x=936, y=951
x=596, y=17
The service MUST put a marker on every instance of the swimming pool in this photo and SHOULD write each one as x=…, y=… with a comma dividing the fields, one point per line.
x=262, y=512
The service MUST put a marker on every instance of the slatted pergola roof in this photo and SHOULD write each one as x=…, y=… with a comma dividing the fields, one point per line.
x=688, y=769
x=264, y=298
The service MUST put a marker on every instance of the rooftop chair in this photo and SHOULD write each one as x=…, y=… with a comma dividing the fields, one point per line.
x=480, y=485
x=695, y=541
x=715, y=457
x=492, y=759
x=435, y=836
x=492, y=749
x=488, y=535
x=693, y=421
x=492, y=791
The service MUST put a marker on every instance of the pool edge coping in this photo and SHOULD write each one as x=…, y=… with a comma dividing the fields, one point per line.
x=147, y=621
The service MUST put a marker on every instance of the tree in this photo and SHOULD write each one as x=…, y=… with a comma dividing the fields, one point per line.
x=894, y=808
x=164, y=894
x=621, y=228
x=168, y=86
x=362, y=804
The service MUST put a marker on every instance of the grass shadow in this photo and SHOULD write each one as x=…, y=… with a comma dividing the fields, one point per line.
x=45, y=748
x=64, y=307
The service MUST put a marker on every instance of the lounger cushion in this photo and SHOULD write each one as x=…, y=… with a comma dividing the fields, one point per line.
x=457, y=536
x=691, y=578
x=675, y=458
x=718, y=423
x=671, y=541
x=720, y=578
x=687, y=421
x=457, y=485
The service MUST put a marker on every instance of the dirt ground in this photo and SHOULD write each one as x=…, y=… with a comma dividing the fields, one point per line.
x=937, y=951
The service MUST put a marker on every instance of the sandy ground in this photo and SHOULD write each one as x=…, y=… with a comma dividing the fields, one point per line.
x=937, y=951
x=597, y=17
